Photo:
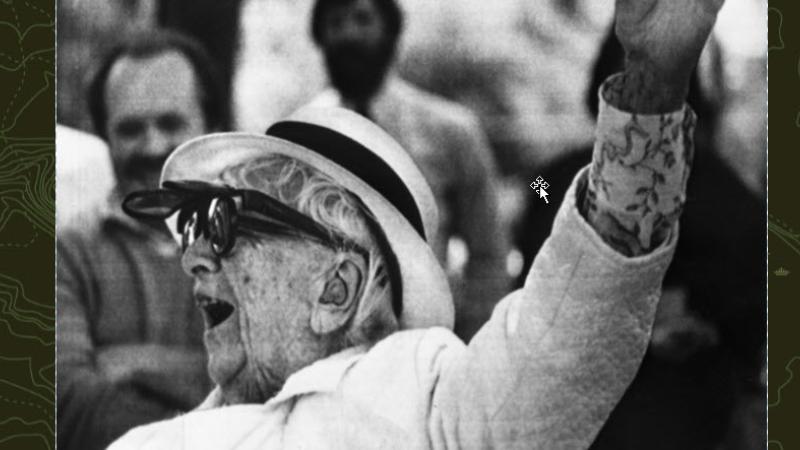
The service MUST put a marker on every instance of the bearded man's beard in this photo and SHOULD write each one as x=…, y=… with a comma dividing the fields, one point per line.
x=357, y=72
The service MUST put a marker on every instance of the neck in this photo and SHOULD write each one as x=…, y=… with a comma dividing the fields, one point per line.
x=363, y=102
x=361, y=106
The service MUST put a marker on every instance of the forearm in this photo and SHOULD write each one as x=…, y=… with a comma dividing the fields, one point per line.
x=641, y=89
x=103, y=396
x=638, y=176
x=641, y=161
x=93, y=411
x=556, y=356
x=174, y=375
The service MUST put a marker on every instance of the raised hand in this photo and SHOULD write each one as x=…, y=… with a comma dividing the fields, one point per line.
x=663, y=40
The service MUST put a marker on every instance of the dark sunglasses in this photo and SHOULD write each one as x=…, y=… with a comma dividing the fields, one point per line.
x=220, y=213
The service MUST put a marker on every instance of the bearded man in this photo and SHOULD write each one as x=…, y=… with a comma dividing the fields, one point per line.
x=358, y=39
x=327, y=313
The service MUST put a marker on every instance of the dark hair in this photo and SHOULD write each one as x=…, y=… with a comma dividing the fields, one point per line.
x=213, y=100
x=389, y=10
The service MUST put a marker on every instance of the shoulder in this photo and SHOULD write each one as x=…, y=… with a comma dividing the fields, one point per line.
x=327, y=98
x=198, y=429
x=96, y=243
x=419, y=350
x=436, y=336
x=74, y=140
x=80, y=236
x=397, y=376
x=80, y=253
x=441, y=111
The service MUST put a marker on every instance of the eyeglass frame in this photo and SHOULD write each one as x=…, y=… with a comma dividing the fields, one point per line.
x=251, y=209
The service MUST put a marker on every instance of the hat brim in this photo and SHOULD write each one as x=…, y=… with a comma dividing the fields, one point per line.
x=427, y=301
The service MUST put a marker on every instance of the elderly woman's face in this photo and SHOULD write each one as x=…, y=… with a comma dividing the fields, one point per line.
x=256, y=302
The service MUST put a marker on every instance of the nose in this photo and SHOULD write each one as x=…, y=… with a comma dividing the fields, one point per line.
x=157, y=143
x=199, y=259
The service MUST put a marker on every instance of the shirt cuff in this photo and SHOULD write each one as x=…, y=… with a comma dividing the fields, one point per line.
x=640, y=166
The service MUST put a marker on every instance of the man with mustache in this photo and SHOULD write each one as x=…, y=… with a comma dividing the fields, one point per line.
x=327, y=312
x=358, y=39
x=129, y=339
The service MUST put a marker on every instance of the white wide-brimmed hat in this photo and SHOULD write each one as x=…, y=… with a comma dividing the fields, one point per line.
x=366, y=161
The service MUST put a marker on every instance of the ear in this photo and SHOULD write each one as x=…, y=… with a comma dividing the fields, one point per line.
x=338, y=301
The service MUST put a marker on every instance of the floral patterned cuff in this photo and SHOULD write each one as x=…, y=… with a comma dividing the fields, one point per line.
x=637, y=180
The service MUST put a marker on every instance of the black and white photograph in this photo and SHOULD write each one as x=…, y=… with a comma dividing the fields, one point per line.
x=411, y=224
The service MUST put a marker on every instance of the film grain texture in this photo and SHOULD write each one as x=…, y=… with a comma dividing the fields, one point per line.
x=27, y=344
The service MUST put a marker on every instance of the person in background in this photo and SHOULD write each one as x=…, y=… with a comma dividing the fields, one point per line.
x=328, y=313
x=358, y=39
x=83, y=175
x=87, y=29
x=129, y=338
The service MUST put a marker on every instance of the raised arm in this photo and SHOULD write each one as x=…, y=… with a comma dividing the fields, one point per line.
x=556, y=357
x=629, y=200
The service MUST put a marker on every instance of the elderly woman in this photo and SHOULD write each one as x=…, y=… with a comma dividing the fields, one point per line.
x=327, y=314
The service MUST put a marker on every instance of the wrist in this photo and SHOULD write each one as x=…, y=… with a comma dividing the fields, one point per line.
x=647, y=88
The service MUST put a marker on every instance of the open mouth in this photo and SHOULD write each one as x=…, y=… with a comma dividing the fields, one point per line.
x=215, y=311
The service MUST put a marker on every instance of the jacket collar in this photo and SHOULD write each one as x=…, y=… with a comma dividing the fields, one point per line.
x=321, y=376
x=324, y=375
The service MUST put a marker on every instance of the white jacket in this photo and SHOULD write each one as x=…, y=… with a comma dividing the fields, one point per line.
x=543, y=373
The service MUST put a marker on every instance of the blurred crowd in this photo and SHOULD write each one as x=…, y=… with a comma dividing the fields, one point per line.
x=485, y=97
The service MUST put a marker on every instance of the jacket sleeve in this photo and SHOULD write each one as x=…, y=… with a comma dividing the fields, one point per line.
x=93, y=409
x=557, y=355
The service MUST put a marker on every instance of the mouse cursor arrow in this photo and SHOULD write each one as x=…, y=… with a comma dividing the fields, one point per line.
x=543, y=194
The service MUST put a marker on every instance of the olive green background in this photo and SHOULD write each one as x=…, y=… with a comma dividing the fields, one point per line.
x=27, y=180
x=27, y=224
x=784, y=225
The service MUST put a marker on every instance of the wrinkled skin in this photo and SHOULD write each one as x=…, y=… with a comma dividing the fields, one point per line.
x=671, y=33
x=273, y=284
x=663, y=41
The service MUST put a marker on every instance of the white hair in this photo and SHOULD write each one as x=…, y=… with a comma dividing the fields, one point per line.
x=311, y=192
